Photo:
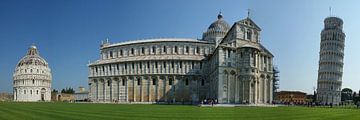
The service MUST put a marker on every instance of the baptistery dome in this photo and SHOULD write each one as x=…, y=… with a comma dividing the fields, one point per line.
x=32, y=78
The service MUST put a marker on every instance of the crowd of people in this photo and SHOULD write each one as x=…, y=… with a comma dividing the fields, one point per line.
x=209, y=101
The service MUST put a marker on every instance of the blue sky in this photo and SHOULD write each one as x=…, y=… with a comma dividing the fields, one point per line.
x=68, y=32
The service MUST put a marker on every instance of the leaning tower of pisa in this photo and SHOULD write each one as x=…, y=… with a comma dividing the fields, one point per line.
x=331, y=61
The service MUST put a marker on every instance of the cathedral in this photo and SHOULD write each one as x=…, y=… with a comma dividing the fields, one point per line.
x=229, y=65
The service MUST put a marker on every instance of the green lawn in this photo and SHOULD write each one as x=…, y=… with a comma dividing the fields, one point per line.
x=50, y=111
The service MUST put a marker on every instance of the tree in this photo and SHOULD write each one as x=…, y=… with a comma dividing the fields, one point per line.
x=314, y=97
x=68, y=90
x=55, y=91
x=355, y=98
x=346, y=94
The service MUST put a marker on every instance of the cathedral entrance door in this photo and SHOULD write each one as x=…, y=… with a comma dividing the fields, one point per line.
x=43, y=90
x=42, y=97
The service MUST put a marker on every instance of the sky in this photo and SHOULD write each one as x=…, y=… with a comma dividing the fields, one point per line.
x=68, y=33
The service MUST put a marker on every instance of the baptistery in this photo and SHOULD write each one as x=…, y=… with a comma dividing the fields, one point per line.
x=32, y=78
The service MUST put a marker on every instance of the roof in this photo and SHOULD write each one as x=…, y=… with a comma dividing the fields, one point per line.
x=156, y=40
x=252, y=23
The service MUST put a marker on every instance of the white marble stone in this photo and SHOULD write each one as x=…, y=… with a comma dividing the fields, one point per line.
x=228, y=64
x=32, y=78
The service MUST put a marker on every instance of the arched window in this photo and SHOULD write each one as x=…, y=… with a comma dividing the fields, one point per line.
x=248, y=35
x=108, y=82
x=138, y=81
x=153, y=81
x=123, y=82
x=33, y=81
x=31, y=92
x=192, y=65
x=132, y=51
x=228, y=53
x=186, y=82
x=24, y=91
x=111, y=54
x=164, y=49
x=143, y=50
x=176, y=49
x=154, y=49
x=170, y=81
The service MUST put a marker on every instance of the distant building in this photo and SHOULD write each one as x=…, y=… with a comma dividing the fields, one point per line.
x=81, y=95
x=296, y=97
x=32, y=78
x=6, y=97
x=331, y=61
x=62, y=97
x=228, y=64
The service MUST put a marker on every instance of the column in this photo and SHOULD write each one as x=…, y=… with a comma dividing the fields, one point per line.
x=265, y=90
x=271, y=91
x=250, y=92
x=141, y=88
x=256, y=90
x=134, y=90
x=148, y=89
x=97, y=90
x=110, y=89
x=157, y=88
x=126, y=89
x=104, y=90
x=118, y=89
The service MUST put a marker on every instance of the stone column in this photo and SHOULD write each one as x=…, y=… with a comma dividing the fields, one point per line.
x=271, y=91
x=256, y=90
x=134, y=90
x=97, y=90
x=104, y=90
x=110, y=89
x=265, y=90
x=250, y=92
x=148, y=88
x=157, y=88
x=118, y=89
x=141, y=89
x=166, y=80
x=126, y=88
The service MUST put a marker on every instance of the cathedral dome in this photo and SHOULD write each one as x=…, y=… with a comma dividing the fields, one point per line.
x=219, y=25
x=217, y=30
